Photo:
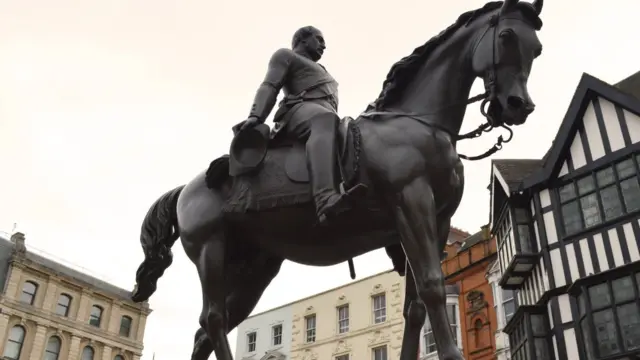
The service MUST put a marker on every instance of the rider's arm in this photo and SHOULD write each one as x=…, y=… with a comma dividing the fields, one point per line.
x=267, y=93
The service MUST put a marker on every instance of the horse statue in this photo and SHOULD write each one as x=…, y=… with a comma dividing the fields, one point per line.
x=238, y=230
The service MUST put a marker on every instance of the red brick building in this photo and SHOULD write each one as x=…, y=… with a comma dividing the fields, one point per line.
x=465, y=265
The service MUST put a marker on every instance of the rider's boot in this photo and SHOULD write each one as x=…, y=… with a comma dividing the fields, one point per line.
x=321, y=161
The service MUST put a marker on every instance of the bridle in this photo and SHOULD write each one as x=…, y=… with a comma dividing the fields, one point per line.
x=490, y=95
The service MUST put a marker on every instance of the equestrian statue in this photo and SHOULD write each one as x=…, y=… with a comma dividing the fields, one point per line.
x=319, y=190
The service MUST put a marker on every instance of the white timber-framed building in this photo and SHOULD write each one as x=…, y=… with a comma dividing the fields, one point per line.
x=568, y=232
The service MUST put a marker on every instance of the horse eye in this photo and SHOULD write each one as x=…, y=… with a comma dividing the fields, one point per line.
x=507, y=34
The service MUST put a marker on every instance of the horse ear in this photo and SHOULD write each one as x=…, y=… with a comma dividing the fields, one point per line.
x=508, y=4
x=537, y=5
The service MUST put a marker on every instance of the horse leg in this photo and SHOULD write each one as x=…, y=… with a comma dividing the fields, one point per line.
x=416, y=214
x=414, y=316
x=210, y=265
x=202, y=346
x=240, y=303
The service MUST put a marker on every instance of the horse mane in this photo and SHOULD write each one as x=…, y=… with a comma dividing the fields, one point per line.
x=402, y=72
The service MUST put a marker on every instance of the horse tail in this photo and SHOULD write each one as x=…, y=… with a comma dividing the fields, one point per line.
x=158, y=234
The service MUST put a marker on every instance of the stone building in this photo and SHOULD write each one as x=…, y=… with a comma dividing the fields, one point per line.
x=568, y=231
x=50, y=311
x=360, y=320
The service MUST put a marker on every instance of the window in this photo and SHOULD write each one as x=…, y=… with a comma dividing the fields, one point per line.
x=524, y=229
x=118, y=357
x=87, y=353
x=504, y=228
x=310, y=326
x=52, y=351
x=96, y=316
x=342, y=357
x=601, y=196
x=508, y=304
x=276, y=335
x=125, y=326
x=343, y=319
x=64, y=302
x=29, y=290
x=531, y=331
x=496, y=299
x=478, y=336
x=610, y=318
x=14, y=343
x=379, y=308
x=429, y=339
x=379, y=353
x=251, y=341
x=452, y=314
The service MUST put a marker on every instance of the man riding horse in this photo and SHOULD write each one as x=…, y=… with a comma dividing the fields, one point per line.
x=308, y=113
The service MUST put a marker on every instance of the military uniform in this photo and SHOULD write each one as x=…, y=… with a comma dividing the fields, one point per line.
x=308, y=113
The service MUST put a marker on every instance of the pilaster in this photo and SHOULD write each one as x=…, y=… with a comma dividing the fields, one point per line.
x=142, y=322
x=83, y=309
x=74, y=348
x=50, y=295
x=15, y=274
x=4, y=322
x=114, y=318
x=37, y=349
x=106, y=353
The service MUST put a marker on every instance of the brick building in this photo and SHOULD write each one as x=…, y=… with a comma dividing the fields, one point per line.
x=466, y=265
x=53, y=312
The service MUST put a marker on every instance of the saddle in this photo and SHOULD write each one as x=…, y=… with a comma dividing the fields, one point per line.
x=273, y=172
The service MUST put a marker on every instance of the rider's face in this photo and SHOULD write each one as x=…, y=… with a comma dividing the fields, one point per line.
x=315, y=45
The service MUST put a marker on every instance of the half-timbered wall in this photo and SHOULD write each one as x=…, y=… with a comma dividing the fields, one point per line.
x=588, y=220
x=606, y=128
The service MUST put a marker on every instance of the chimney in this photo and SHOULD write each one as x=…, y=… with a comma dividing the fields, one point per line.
x=486, y=232
x=18, y=240
x=630, y=85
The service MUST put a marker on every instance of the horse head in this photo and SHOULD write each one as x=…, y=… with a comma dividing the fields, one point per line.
x=503, y=56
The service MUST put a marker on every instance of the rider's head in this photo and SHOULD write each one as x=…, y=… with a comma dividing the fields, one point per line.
x=308, y=41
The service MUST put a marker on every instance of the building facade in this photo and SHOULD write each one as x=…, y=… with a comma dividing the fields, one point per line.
x=568, y=233
x=50, y=311
x=361, y=320
x=266, y=336
x=466, y=268
x=504, y=305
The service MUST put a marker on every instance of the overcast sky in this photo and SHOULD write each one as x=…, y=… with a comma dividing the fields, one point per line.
x=105, y=105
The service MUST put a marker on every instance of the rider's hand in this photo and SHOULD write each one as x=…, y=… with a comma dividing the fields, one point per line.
x=250, y=122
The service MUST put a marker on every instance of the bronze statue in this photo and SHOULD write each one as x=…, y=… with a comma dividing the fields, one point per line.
x=242, y=225
x=308, y=113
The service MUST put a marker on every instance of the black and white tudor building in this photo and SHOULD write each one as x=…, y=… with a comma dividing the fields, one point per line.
x=568, y=232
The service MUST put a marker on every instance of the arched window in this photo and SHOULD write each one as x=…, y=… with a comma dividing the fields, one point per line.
x=96, y=316
x=52, y=350
x=29, y=290
x=14, y=343
x=478, y=330
x=125, y=326
x=64, y=303
x=118, y=357
x=87, y=353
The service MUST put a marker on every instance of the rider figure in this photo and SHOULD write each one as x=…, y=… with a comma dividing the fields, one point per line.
x=308, y=112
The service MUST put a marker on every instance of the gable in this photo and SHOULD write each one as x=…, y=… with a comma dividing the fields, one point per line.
x=601, y=120
x=605, y=128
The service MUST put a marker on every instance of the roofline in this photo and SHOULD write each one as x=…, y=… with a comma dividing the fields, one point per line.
x=320, y=293
x=588, y=86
